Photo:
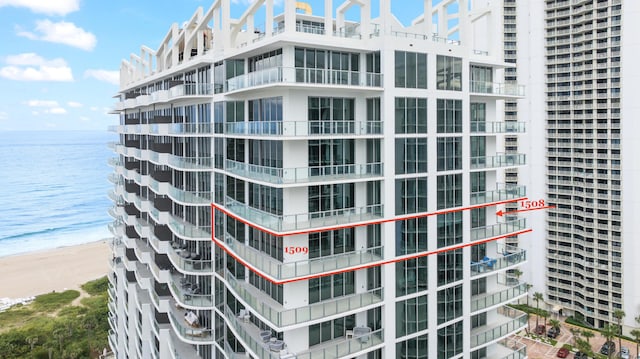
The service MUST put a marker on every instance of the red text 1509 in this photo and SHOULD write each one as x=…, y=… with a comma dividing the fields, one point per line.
x=532, y=204
x=296, y=250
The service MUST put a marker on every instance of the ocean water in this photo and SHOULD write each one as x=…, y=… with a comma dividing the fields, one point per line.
x=53, y=189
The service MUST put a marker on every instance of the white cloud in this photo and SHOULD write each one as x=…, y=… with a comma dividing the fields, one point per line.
x=74, y=104
x=32, y=67
x=84, y=118
x=57, y=111
x=4, y=116
x=112, y=77
x=93, y=108
x=42, y=103
x=49, y=7
x=61, y=32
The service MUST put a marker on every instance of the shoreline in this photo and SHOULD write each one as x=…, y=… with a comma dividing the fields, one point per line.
x=43, y=271
x=46, y=250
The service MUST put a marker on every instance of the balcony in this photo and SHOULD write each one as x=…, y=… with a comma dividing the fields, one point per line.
x=503, y=295
x=495, y=261
x=281, y=317
x=190, y=91
x=187, y=230
x=498, y=229
x=282, y=223
x=249, y=335
x=498, y=127
x=189, y=262
x=303, y=76
x=496, y=89
x=497, y=161
x=507, y=349
x=506, y=322
x=190, y=333
x=503, y=193
x=189, y=294
x=348, y=128
x=305, y=175
x=290, y=270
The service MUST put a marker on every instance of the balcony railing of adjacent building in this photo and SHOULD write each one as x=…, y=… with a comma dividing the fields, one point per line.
x=281, y=223
x=290, y=270
x=281, y=317
x=502, y=296
x=508, y=321
x=304, y=174
x=301, y=75
x=497, y=161
x=304, y=128
x=493, y=88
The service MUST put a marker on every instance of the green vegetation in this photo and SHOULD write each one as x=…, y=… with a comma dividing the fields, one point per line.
x=53, y=327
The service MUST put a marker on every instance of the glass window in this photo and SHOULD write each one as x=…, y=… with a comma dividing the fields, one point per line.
x=410, y=70
x=411, y=236
x=414, y=348
x=449, y=303
x=449, y=73
x=478, y=117
x=328, y=243
x=449, y=116
x=411, y=195
x=449, y=267
x=411, y=155
x=450, y=340
x=329, y=330
x=330, y=200
x=411, y=316
x=331, y=115
x=449, y=229
x=449, y=153
x=329, y=287
x=411, y=115
x=411, y=276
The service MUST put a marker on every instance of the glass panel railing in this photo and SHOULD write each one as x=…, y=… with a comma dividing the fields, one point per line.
x=502, y=297
x=512, y=321
x=304, y=220
x=186, y=261
x=281, y=317
x=498, y=127
x=518, y=350
x=494, y=88
x=498, y=229
x=191, y=163
x=281, y=271
x=249, y=334
x=189, y=197
x=341, y=348
x=502, y=193
x=185, y=293
x=303, y=174
x=190, y=333
x=303, y=128
x=190, y=90
x=187, y=230
x=499, y=160
x=509, y=256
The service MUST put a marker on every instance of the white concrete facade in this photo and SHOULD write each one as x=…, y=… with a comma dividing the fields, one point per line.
x=350, y=172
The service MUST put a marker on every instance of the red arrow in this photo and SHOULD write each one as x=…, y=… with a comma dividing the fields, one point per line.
x=501, y=213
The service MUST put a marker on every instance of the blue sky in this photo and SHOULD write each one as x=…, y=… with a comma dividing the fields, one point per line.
x=60, y=59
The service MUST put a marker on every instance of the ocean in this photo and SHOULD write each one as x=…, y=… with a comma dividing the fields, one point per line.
x=53, y=189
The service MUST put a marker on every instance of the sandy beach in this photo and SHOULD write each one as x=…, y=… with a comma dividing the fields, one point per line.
x=57, y=269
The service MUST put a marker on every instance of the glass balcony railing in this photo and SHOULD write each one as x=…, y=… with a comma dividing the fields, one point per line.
x=512, y=349
x=497, y=127
x=187, y=264
x=304, y=174
x=282, y=223
x=502, y=193
x=187, y=332
x=479, y=302
x=281, y=317
x=508, y=321
x=283, y=271
x=187, y=230
x=495, y=261
x=498, y=229
x=493, y=88
x=499, y=160
x=185, y=293
x=343, y=348
x=303, y=128
x=249, y=335
x=301, y=75
x=190, y=197
x=182, y=128
x=190, y=90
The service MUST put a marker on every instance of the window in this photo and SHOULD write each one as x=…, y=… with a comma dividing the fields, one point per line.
x=328, y=157
x=411, y=195
x=333, y=286
x=449, y=267
x=478, y=117
x=322, y=244
x=449, y=116
x=449, y=153
x=411, y=115
x=265, y=61
x=411, y=155
x=410, y=69
x=481, y=79
x=331, y=115
x=265, y=198
x=411, y=276
x=272, y=290
x=414, y=348
x=449, y=73
x=374, y=116
x=449, y=191
x=449, y=303
x=450, y=340
x=266, y=243
x=265, y=153
x=265, y=115
x=312, y=66
x=411, y=316
x=411, y=236
x=330, y=200
x=329, y=330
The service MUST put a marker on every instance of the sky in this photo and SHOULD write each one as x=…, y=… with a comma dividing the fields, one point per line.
x=60, y=59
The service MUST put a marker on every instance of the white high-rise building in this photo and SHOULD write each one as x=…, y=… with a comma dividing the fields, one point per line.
x=319, y=183
x=576, y=58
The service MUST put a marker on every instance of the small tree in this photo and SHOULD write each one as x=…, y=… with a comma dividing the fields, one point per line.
x=619, y=314
x=32, y=341
x=576, y=335
x=544, y=314
x=636, y=337
x=609, y=332
x=585, y=347
x=587, y=334
x=537, y=296
x=555, y=324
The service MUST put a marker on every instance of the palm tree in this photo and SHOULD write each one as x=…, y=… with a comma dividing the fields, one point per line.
x=576, y=335
x=619, y=314
x=545, y=315
x=636, y=337
x=609, y=332
x=537, y=296
x=587, y=334
x=584, y=347
x=555, y=324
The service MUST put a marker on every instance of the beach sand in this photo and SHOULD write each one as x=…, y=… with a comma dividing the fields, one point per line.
x=29, y=274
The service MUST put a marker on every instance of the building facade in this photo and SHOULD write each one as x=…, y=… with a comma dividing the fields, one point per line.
x=576, y=87
x=318, y=187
